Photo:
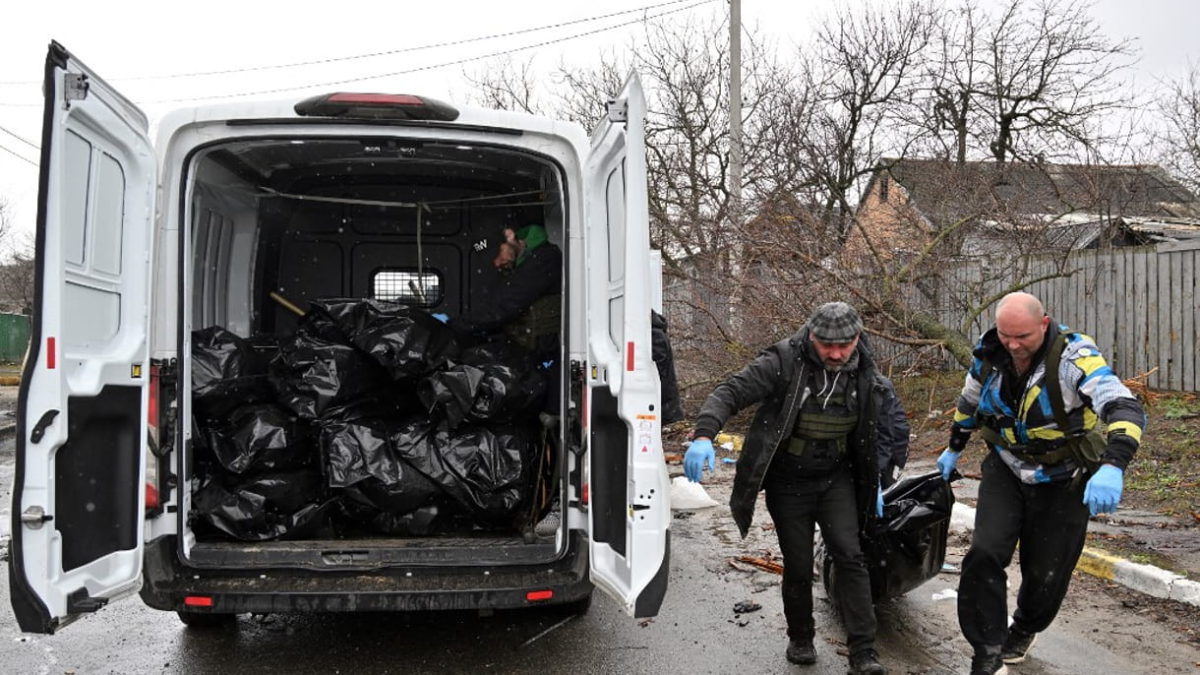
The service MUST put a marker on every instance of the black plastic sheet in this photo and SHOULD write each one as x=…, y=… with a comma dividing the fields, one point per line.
x=317, y=369
x=490, y=383
x=266, y=507
x=360, y=457
x=407, y=342
x=260, y=438
x=486, y=470
x=908, y=546
x=227, y=372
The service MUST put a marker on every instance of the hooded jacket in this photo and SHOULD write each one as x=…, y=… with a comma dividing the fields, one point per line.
x=775, y=380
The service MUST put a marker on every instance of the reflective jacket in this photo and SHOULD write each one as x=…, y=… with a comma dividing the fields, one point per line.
x=1024, y=431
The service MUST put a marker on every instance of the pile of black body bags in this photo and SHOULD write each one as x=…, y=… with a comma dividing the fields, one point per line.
x=373, y=418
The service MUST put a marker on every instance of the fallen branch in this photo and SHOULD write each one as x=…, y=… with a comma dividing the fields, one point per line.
x=762, y=564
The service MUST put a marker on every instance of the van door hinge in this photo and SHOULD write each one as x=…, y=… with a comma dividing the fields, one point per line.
x=34, y=517
x=618, y=110
x=78, y=602
x=75, y=87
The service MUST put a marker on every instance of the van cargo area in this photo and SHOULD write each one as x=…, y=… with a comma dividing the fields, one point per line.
x=353, y=400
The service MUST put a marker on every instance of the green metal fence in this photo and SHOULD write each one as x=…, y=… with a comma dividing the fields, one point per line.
x=14, y=337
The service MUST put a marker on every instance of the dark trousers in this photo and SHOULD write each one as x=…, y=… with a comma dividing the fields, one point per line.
x=1050, y=522
x=829, y=502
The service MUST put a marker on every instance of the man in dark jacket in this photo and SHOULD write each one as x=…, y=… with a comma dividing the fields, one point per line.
x=811, y=445
x=664, y=360
x=891, y=433
x=527, y=304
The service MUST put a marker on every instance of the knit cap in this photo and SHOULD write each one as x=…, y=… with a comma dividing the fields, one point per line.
x=835, y=323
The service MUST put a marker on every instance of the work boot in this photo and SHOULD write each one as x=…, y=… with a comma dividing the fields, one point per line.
x=866, y=662
x=1017, y=646
x=801, y=652
x=988, y=663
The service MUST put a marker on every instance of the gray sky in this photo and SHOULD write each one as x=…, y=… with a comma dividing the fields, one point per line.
x=124, y=40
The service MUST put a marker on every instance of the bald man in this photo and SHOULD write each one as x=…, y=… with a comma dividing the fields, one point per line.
x=1034, y=393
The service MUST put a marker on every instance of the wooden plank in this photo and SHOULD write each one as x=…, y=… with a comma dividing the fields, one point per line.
x=1188, y=301
x=1161, y=307
x=1104, y=314
x=1138, y=288
x=1177, y=317
x=1121, y=315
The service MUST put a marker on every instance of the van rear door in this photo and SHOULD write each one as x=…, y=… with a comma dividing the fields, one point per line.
x=629, y=511
x=78, y=504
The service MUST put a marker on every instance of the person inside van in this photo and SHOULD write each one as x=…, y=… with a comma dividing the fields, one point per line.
x=526, y=306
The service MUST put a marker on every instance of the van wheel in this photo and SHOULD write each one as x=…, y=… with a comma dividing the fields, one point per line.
x=205, y=619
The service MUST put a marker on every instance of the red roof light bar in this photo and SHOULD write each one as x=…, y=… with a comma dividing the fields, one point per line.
x=373, y=106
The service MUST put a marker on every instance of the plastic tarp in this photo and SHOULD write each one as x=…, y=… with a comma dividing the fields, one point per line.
x=226, y=372
x=405, y=341
x=318, y=369
x=908, y=545
x=265, y=507
x=489, y=383
x=259, y=438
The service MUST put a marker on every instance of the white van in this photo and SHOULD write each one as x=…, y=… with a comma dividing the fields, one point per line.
x=139, y=244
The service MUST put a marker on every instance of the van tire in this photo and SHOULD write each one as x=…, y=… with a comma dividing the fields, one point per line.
x=204, y=620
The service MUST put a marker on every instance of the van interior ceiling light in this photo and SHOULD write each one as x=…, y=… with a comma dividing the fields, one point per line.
x=377, y=106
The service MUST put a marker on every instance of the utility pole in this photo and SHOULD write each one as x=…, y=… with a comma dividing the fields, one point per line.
x=735, y=111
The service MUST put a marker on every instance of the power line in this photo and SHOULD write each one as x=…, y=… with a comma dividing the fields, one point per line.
x=431, y=67
x=391, y=52
x=14, y=153
x=29, y=143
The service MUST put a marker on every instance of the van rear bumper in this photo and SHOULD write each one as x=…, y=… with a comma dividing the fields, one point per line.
x=166, y=582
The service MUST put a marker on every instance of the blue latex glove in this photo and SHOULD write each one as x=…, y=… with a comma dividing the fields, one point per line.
x=879, y=503
x=946, y=462
x=693, y=460
x=440, y=317
x=1103, y=491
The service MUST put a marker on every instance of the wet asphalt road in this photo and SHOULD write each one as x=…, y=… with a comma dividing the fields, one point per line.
x=696, y=631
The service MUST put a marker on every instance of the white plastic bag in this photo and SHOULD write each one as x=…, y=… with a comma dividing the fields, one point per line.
x=686, y=495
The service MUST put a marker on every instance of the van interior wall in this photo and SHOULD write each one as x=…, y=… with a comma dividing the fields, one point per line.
x=247, y=245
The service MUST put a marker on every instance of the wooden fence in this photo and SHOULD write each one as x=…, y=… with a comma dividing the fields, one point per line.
x=1139, y=304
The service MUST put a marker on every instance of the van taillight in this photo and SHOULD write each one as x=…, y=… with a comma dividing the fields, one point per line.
x=534, y=596
x=151, y=497
x=584, y=496
x=377, y=106
x=198, y=601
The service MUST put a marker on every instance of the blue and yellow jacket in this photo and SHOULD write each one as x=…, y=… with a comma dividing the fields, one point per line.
x=1091, y=392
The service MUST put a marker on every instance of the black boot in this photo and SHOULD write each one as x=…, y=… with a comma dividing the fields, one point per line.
x=866, y=662
x=988, y=663
x=801, y=652
x=1017, y=645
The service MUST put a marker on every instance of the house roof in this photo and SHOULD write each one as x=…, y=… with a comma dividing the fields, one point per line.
x=946, y=191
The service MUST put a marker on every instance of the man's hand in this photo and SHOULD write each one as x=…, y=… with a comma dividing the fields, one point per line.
x=698, y=452
x=946, y=462
x=440, y=317
x=1103, y=491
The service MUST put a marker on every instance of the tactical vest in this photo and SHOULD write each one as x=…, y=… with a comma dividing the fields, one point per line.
x=1085, y=446
x=823, y=427
x=544, y=317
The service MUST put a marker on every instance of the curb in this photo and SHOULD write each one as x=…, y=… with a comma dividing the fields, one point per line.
x=10, y=380
x=1148, y=579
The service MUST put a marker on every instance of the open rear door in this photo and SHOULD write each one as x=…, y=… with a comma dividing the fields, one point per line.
x=629, y=512
x=81, y=426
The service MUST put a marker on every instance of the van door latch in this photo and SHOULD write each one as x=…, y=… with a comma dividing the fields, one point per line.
x=75, y=86
x=618, y=110
x=39, y=429
x=34, y=516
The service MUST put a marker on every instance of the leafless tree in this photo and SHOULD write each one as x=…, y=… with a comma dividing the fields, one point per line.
x=1030, y=82
x=16, y=266
x=1179, y=140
